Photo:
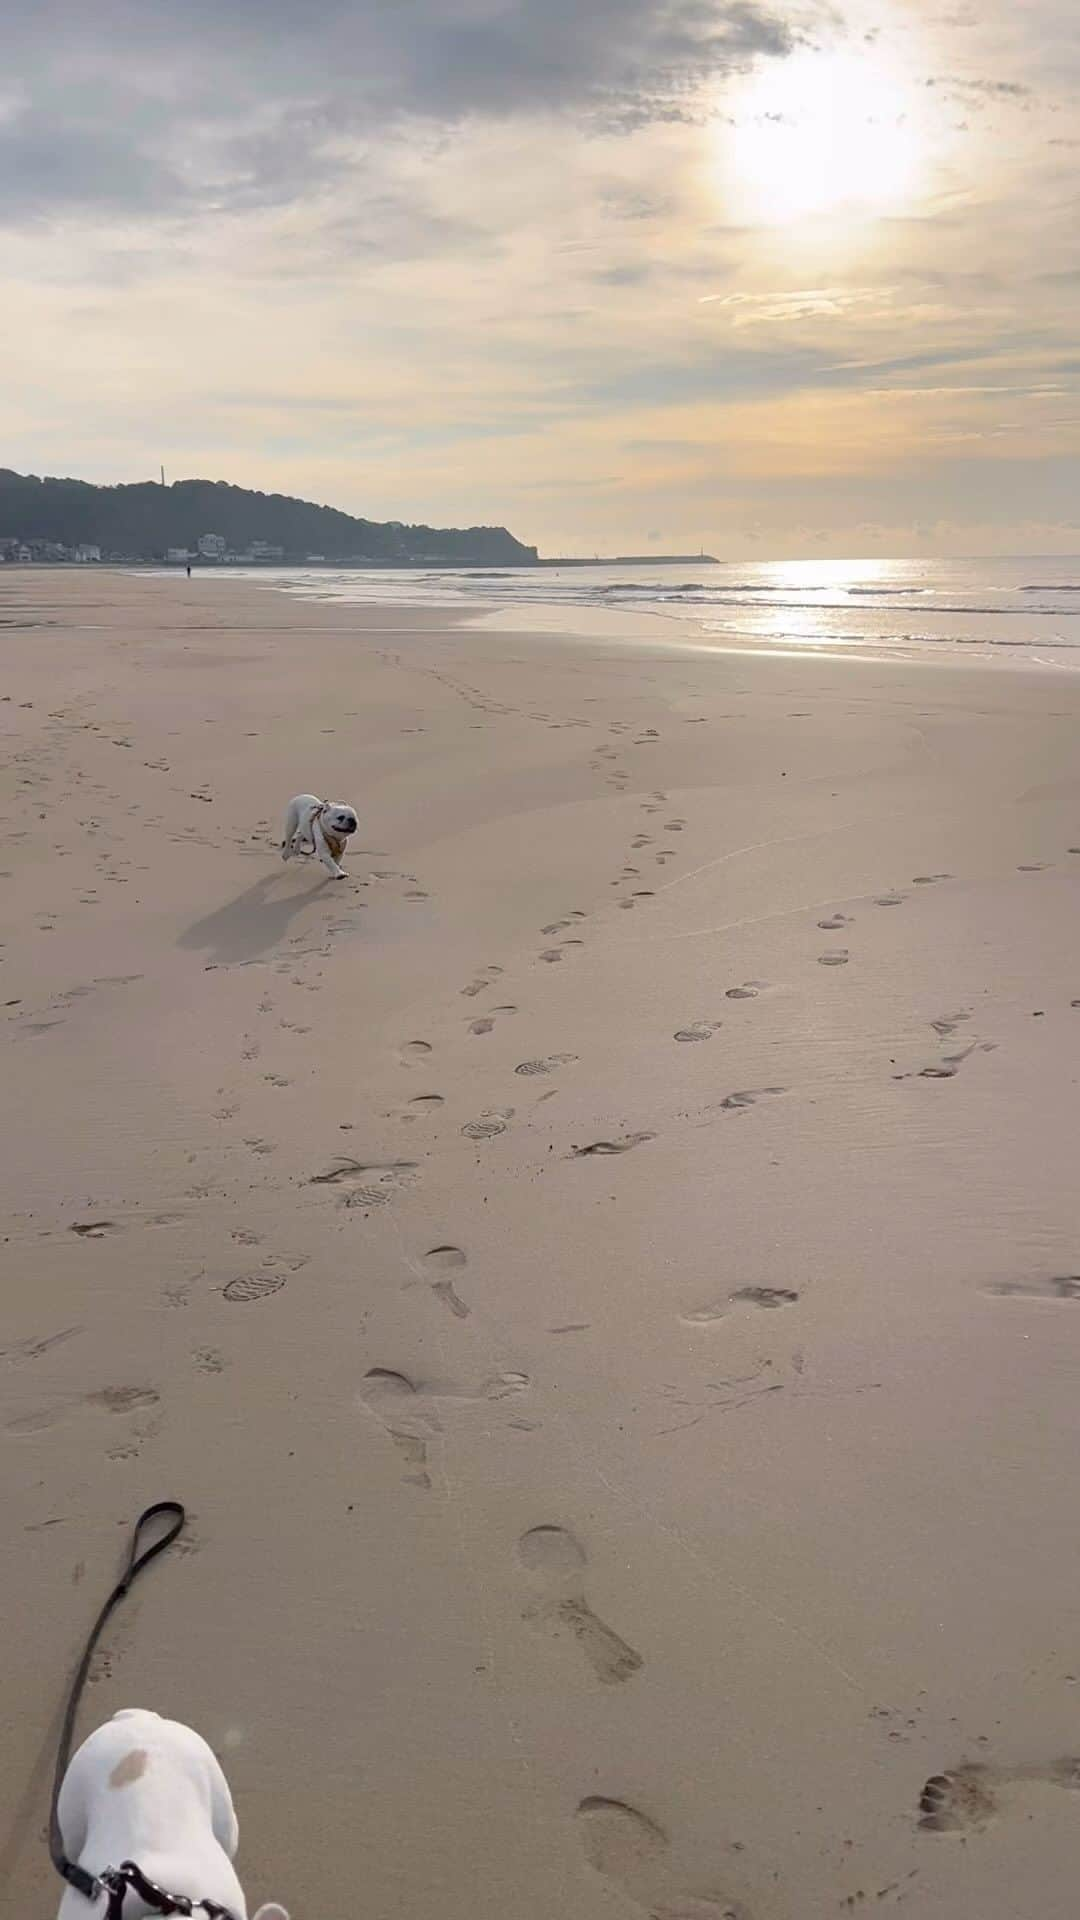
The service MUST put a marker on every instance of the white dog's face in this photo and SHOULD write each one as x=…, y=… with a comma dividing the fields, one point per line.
x=339, y=819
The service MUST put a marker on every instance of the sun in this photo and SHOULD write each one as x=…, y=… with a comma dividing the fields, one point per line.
x=820, y=133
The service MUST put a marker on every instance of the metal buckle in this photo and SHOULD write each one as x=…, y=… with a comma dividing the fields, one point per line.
x=117, y=1880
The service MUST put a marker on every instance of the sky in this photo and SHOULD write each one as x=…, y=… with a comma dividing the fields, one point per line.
x=624, y=275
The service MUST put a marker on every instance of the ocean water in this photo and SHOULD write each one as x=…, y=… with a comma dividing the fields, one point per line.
x=1030, y=605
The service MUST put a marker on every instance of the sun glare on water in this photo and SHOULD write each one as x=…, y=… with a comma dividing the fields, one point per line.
x=819, y=133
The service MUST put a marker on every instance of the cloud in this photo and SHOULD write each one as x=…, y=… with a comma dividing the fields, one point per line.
x=976, y=90
x=182, y=104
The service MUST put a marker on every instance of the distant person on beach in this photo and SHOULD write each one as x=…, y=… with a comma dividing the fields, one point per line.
x=189, y=570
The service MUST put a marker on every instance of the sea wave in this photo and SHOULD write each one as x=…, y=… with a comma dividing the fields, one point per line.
x=798, y=637
x=837, y=606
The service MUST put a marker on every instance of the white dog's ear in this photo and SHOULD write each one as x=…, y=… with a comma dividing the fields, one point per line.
x=271, y=1911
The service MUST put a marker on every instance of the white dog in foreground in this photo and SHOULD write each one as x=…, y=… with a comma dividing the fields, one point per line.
x=318, y=826
x=150, y=1790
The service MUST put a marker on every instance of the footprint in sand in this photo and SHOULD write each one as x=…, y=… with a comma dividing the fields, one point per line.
x=393, y=1399
x=37, y=1345
x=698, y=1030
x=549, y=1064
x=442, y=1262
x=958, y=1801
x=835, y=922
x=929, y=879
x=557, y=1562
x=107, y=1399
x=409, y=1413
x=946, y=1069
x=947, y=1023
x=627, y=1848
x=485, y=977
x=623, y=1145
x=748, y=991
x=93, y=1229
x=424, y=1106
x=767, y=1297
x=414, y=1052
x=253, y=1286
x=889, y=900
x=366, y=1183
x=487, y=1021
x=122, y=1399
x=736, y=1102
x=1062, y=1286
x=492, y=1121
x=837, y=958
x=966, y=1798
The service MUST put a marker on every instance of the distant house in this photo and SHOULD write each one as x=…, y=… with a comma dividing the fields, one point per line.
x=212, y=546
x=87, y=551
x=24, y=554
x=263, y=550
x=176, y=556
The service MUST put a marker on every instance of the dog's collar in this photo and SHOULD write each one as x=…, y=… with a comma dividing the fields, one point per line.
x=115, y=1882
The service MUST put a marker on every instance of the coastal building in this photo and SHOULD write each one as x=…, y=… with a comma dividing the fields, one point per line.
x=212, y=546
x=86, y=550
x=176, y=556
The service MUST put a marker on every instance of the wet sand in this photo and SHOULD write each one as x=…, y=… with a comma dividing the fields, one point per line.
x=604, y=1277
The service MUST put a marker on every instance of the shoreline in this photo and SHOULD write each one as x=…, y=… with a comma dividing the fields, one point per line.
x=688, y=632
x=599, y=1275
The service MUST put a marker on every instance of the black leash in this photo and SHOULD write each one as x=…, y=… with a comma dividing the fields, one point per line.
x=77, y=1876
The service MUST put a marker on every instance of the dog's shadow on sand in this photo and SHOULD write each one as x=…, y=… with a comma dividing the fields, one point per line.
x=258, y=920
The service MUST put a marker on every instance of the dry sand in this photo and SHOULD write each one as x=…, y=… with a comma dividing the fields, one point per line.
x=602, y=1276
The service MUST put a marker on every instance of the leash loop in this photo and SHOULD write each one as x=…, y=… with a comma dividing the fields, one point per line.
x=76, y=1876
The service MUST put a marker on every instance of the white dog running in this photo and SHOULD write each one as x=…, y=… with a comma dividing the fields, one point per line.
x=150, y=1790
x=318, y=826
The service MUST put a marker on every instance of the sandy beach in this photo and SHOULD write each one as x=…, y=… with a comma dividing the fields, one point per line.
x=604, y=1277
